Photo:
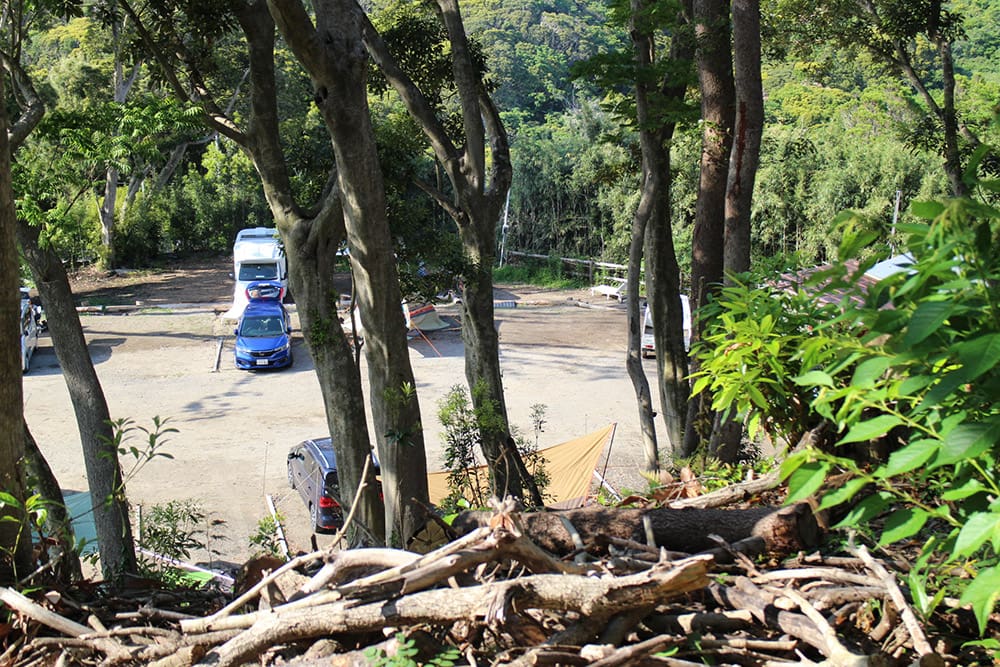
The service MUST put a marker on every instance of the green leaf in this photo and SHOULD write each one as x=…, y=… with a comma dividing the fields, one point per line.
x=982, y=593
x=979, y=355
x=866, y=510
x=792, y=463
x=806, y=480
x=8, y=499
x=814, y=378
x=870, y=370
x=965, y=441
x=870, y=429
x=926, y=319
x=928, y=210
x=970, y=488
x=843, y=493
x=902, y=524
x=910, y=457
x=979, y=528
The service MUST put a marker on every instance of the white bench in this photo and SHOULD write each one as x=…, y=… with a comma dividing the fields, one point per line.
x=617, y=289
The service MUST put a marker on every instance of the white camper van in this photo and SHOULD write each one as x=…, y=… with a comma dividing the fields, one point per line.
x=648, y=341
x=257, y=255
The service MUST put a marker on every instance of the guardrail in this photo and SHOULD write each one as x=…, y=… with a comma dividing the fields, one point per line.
x=590, y=267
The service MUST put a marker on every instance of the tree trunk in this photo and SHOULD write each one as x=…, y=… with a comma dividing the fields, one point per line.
x=783, y=529
x=39, y=479
x=749, y=122
x=715, y=79
x=949, y=119
x=663, y=273
x=108, y=206
x=480, y=190
x=15, y=537
x=106, y=212
x=311, y=258
x=482, y=372
x=107, y=488
x=649, y=206
x=335, y=58
x=395, y=409
x=311, y=244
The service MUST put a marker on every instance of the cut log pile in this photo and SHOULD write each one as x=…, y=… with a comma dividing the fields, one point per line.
x=585, y=587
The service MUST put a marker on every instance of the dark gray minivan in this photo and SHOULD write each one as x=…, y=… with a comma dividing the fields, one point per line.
x=312, y=470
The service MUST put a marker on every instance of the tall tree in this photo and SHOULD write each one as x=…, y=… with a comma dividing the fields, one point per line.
x=748, y=126
x=104, y=477
x=479, y=172
x=334, y=55
x=100, y=457
x=661, y=82
x=715, y=81
x=327, y=44
x=15, y=535
x=121, y=83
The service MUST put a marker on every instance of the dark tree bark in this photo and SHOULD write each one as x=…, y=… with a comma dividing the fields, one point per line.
x=715, y=80
x=652, y=225
x=40, y=479
x=15, y=537
x=93, y=419
x=783, y=529
x=480, y=187
x=334, y=56
x=748, y=128
x=655, y=174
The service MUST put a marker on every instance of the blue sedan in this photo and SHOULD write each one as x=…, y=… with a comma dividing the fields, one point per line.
x=264, y=332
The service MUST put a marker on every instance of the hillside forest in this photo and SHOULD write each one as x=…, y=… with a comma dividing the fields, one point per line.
x=422, y=135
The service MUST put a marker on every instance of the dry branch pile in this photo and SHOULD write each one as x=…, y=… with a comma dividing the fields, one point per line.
x=494, y=596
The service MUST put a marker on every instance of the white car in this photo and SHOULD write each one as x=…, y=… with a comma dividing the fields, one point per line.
x=648, y=340
x=30, y=316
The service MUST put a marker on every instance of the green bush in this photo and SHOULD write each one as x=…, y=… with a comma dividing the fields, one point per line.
x=917, y=356
x=463, y=429
x=928, y=367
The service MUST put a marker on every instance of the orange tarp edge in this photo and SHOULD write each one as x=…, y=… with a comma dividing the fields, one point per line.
x=570, y=466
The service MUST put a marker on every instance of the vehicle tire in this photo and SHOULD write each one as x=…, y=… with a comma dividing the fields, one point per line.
x=314, y=518
x=291, y=477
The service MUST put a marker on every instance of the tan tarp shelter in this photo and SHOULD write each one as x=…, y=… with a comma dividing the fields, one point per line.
x=570, y=466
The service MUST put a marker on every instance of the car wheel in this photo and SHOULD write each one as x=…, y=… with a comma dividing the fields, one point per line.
x=291, y=477
x=314, y=517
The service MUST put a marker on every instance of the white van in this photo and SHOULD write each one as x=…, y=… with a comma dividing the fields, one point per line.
x=30, y=316
x=257, y=256
x=648, y=340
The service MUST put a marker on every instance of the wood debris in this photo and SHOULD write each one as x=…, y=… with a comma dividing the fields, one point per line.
x=495, y=596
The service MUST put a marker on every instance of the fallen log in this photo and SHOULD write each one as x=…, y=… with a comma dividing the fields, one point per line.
x=490, y=603
x=783, y=529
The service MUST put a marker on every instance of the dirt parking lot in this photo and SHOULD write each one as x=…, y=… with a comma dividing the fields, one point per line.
x=562, y=349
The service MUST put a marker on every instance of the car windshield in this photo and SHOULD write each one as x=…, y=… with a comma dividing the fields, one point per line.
x=259, y=326
x=263, y=271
